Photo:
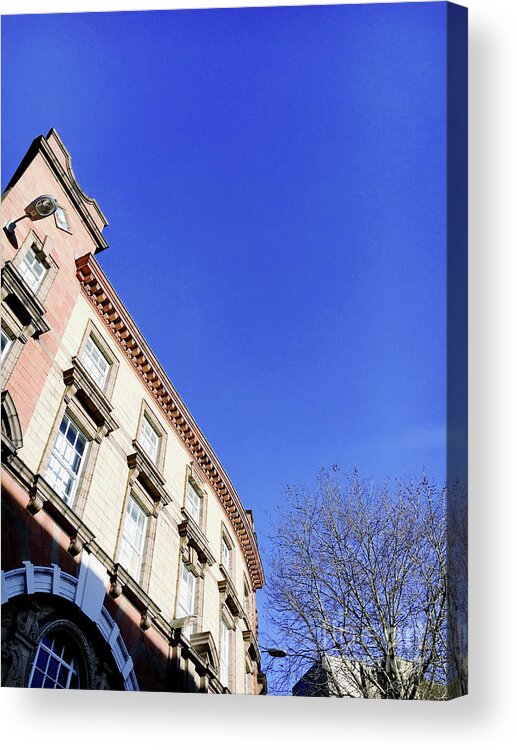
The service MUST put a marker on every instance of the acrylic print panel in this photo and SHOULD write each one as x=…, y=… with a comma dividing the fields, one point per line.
x=270, y=492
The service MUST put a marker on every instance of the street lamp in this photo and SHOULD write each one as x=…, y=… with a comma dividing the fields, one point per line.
x=39, y=208
x=276, y=653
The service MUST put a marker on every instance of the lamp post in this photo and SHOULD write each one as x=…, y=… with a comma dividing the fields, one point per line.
x=276, y=653
x=39, y=208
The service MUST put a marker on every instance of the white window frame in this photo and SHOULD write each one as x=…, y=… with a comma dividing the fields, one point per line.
x=61, y=219
x=151, y=447
x=61, y=459
x=186, y=605
x=226, y=554
x=247, y=600
x=193, y=502
x=91, y=356
x=224, y=653
x=56, y=655
x=26, y=269
x=7, y=345
x=129, y=543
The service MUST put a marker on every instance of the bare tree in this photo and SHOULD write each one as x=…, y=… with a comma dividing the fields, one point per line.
x=358, y=589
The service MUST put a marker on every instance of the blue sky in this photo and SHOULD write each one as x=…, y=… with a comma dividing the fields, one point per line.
x=286, y=169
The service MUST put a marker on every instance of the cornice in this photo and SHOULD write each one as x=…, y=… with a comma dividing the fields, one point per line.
x=123, y=329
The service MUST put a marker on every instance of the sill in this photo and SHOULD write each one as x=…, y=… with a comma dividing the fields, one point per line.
x=195, y=538
x=229, y=593
x=147, y=473
x=253, y=647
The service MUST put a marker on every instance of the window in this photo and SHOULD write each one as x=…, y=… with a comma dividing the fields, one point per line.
x=149, y=438
x=247, y=601
x=193, y=502
x=66, y=459
x=6, y=343
x=225, y=554
x=133, y=538
x=54, y=665
x=32, y=269
x=95, y=362
x=61, y=219
x=224, y=656
x=187, y=596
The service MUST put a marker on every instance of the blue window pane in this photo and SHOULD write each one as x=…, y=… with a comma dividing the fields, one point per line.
x=71, y=434
x=37, y=679
x=62, y=677
x=42, y=660
x=52, y=668
x=81, y=442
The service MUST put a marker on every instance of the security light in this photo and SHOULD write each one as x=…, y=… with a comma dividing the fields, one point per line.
x=39, y=208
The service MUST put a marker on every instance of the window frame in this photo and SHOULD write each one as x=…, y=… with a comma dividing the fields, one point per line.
x=42, y=249
x=90, y=354
x=247, y=599
x=190, y=491
x=226, y=543
x=92, y=332
x=27, y=270
x=134, y=499
x=57, y=220
x=146, y=412
x=77, y=413
x=76, y=475
x=73, y=666
x=181, y=610
x=8, y=345
x=150, y=446
x=194, y=478
x=224, y=628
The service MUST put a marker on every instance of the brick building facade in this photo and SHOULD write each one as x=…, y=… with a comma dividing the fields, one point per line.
x=128, y=560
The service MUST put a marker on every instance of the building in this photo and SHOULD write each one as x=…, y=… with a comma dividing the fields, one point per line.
x=334, y=676
x=128, y=560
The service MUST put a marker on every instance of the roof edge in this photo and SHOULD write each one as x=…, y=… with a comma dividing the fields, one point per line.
x=124, y=330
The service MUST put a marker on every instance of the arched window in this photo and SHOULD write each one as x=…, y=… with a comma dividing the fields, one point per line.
x=55, y=665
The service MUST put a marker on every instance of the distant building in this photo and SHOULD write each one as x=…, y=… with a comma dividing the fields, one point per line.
x=128, y=560
x=332, y=676
x=329, y=676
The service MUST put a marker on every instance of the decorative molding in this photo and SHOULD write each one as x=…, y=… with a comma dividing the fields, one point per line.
x=229, y=594
x=253, y=647
x=204, y=645
x=81, y=385
x=12, y=438
x=262, y=682
x=143, y=469
x=189, y=530
x=118, y=321
x=40, y=579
